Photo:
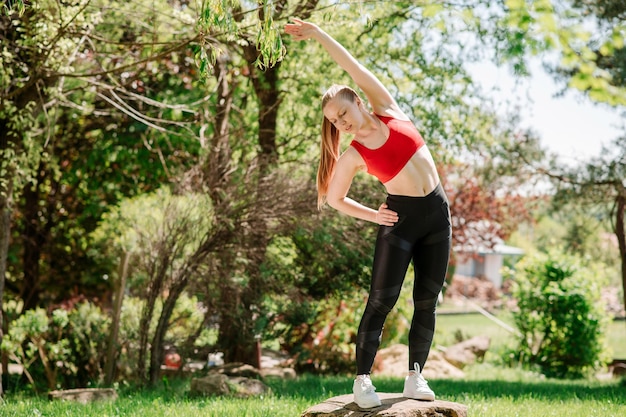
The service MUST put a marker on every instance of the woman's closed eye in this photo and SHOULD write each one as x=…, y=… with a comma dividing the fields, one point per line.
x=339, y=117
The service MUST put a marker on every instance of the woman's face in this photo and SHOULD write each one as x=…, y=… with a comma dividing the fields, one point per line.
x=344, y=114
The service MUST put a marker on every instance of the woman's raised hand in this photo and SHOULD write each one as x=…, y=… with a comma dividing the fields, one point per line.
x=301, y=30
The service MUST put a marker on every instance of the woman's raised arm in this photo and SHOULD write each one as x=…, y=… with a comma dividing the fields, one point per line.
x=378, y=96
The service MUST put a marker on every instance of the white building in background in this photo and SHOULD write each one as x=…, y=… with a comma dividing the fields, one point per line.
x=483, y=262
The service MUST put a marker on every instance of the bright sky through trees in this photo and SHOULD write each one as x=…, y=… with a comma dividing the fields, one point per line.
x=570, y=125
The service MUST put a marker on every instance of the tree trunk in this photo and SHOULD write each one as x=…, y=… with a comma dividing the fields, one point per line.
x=156, y=350
x=236, y=335
x=217, y=164
x=154, y=290
x=6, y=209
x=115, y=323
x=265, y=85
x=33, y=239
x=620, y=232
x=5, y=231
x=237, y=315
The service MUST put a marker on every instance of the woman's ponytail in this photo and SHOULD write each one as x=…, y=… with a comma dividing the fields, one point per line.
x=329, y=154
x=329, y=150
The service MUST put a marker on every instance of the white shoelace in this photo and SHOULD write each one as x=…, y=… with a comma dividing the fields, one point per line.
x=421, y=382
x=366, y=384
x=419, y=378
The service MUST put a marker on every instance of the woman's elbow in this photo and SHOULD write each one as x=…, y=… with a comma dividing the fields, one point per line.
x=334, y=202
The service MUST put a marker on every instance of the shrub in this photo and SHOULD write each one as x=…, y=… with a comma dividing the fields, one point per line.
x=63, y=349
x=88, y=335
x=559, y=315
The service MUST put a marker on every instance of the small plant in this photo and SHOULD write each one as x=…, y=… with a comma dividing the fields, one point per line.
x=64, y=348
x=29, y=343
x=559, y=315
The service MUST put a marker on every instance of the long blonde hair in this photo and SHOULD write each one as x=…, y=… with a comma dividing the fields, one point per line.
x=329, y=150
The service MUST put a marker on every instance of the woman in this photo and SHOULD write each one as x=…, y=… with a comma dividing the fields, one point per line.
x=414, y=221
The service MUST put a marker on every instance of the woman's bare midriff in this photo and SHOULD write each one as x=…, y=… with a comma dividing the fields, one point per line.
x=418, y=178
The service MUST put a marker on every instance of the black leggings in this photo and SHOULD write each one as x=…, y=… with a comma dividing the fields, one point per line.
x=422, y=234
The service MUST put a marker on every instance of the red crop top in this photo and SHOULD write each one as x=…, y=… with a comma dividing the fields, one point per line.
x=386, y=161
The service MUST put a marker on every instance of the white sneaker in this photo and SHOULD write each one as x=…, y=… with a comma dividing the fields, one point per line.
x=416, y=387
x=365, y=393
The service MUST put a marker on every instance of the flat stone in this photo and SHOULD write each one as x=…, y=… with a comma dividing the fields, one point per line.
x=84, y=395
x=392, y=405
x=212, y=384
x=219, y=384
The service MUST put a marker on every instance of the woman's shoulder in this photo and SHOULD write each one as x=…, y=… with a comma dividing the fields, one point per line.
x=392, y=112
x=387, y=119
x=351, y=153
x=351, y=156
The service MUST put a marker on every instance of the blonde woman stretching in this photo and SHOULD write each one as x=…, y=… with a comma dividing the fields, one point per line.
x=414, y=220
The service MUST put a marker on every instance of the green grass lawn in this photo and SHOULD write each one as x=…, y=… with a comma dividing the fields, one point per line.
x=486, y=391
x=470, y=325
x=617, y=338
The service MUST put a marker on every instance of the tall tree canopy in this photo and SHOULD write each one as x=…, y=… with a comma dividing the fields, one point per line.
x=588, y=39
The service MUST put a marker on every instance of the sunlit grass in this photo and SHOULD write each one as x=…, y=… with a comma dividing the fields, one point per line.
x=494, y=391
x=486, y=391
x=475, y=324
x=470, y=325
x=617, y=338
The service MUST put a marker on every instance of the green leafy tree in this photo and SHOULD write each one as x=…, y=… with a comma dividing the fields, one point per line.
x=584, y=41
x=104, y=90
x=26, y=73
x=608, y=49
x=66, y=63
x=598, y=186
x=588, y=41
